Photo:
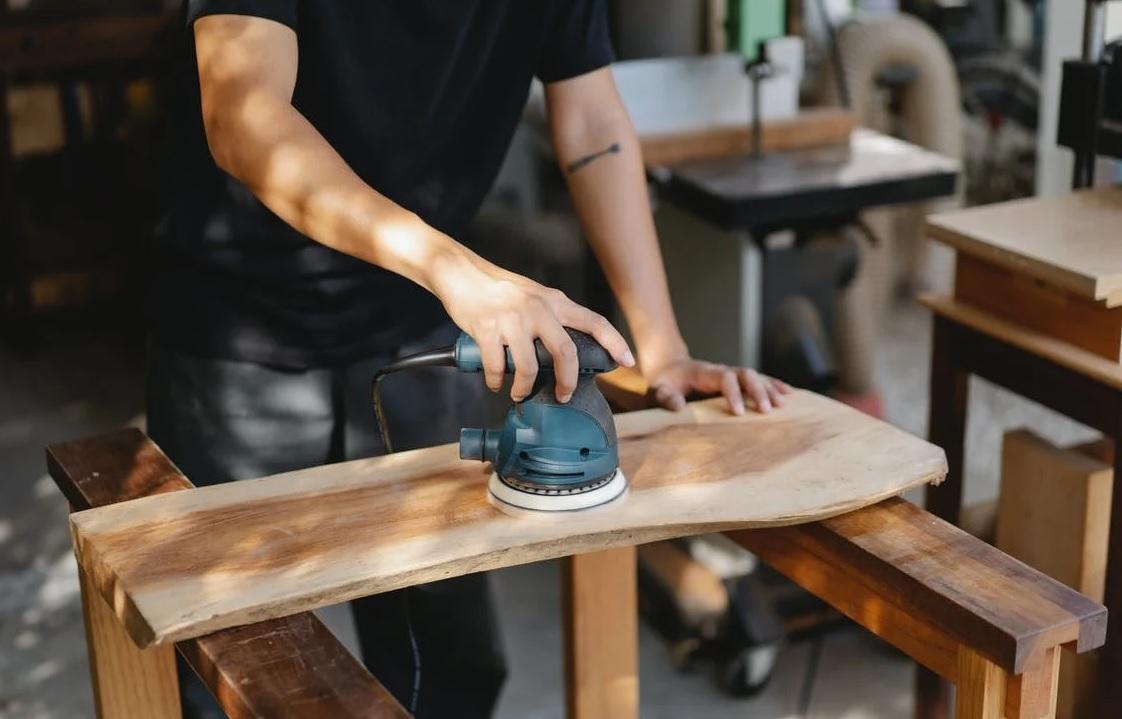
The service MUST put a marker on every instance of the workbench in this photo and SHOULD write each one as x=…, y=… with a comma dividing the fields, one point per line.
x=1037, y=309
x=713, y=216
x=177, y=568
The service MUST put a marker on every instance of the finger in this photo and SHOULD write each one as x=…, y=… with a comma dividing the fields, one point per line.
x=564, y=353
x=753, y=385
x=668, y=397
x=525, y=365
x=784, y=388
x=774, y=393
x=585, y=320
x=730, y=388
x=493, y=355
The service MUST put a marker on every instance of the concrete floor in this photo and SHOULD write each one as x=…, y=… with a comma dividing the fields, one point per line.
x=78, y=383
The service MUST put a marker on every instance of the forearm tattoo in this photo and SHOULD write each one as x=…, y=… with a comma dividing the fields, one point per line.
x=612, y=149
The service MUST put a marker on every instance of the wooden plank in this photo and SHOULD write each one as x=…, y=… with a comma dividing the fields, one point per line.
x=1069, y=241
x=819, y=127
x=1069, y=492
x=1043, y=485
x=287, y=667
x=980, y=688
x=128, y=683
x=839, y=582
x=1031, y=302
x=1049, y=348
x=601, y=635
x=292, y=666
x=180, y=565
x=942, y=581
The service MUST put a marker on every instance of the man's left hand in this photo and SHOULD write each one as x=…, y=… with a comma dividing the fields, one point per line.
x=673, y=382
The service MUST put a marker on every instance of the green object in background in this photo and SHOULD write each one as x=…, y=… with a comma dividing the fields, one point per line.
x=752, y=21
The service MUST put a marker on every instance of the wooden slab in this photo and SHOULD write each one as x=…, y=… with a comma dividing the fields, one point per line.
x=183, y=564
x=290, y=666
x=1070, y=241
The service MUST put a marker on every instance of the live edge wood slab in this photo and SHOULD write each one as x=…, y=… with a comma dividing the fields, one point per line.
x=179, y=565
x=285, y=667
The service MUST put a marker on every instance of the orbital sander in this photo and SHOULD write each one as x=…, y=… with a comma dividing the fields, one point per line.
x=547, y=456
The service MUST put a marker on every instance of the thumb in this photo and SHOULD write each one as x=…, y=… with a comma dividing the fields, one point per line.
x=669, y=397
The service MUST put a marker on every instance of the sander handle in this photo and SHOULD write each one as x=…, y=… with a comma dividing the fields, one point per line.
x=592, y=358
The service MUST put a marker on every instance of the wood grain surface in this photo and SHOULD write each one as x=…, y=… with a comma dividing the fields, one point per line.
x=1039, y=306
x=945, y=586
x=184, y=564
x=128, y=683
x=290, y=667
x=1070, y=241
x=1024, y=338
x=601, y=617
x=817, y=127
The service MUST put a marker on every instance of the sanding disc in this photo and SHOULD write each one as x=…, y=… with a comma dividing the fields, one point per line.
x=505, y=496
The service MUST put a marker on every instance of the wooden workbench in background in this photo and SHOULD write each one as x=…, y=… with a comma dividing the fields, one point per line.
x=1036, y=309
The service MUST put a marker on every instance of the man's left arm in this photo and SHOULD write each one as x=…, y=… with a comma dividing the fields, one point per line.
x=598, y=152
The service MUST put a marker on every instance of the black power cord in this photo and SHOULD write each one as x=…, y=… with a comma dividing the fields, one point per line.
x=443, y=357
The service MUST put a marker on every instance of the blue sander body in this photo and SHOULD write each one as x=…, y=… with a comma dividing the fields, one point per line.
x=547, y=455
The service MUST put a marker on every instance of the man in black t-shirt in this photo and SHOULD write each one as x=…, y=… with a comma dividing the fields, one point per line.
x=326, y=156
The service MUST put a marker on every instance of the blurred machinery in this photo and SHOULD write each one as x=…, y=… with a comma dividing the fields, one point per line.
x=1091, y=98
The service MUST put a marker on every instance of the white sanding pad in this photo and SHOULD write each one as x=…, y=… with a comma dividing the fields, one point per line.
x=506, y=497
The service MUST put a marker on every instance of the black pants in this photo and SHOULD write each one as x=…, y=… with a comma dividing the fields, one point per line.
x=221, y=421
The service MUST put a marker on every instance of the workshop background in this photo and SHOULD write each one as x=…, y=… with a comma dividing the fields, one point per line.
x=970, y=80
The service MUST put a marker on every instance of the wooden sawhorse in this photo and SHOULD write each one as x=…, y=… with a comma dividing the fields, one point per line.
x=978, y=618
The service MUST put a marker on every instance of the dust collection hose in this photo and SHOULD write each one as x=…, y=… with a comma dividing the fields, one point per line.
x=442, y=357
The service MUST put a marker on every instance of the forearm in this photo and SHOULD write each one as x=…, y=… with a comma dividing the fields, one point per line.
x=599, y=154
x=293, y=170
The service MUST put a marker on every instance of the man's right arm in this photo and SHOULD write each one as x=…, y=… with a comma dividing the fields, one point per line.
x=247, y=73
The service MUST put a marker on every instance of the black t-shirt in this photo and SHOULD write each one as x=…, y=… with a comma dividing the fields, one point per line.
x=420, y=98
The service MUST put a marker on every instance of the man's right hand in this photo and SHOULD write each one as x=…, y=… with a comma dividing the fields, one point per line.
x=501, y=309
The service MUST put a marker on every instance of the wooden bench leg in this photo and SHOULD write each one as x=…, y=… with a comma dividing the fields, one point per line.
x=980, y=691
x=1033, y=694
x=128, y=683
x=601, y=635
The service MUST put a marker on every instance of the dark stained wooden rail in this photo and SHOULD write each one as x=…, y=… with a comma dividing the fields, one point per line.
x=290, y=667
x=907, y=575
